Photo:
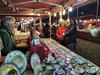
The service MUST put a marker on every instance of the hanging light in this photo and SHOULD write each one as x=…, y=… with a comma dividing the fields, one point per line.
x=55, y=14
x=22, y=19
x=38, y=14
x=70, y=9
x=80, y=20
x=60, y=13
x=64, y=12
x=32, y=14
x=49, y=13
x=98, y=20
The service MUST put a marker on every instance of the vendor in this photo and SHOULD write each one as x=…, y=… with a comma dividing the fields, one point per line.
x=33, y=34
x=7, y=34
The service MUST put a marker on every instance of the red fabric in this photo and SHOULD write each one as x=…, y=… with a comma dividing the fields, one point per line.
x=39, y=49
x=2, y=58
x=60, y=32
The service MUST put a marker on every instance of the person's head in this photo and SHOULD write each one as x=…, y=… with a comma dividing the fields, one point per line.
x=63, y=23
x=72, y=21
x=9, y=22
x=32, y=31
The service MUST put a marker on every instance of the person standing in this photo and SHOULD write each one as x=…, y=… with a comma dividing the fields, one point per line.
x=7, y=35
x=71, y=34
x=60, y=33
x=47, y=31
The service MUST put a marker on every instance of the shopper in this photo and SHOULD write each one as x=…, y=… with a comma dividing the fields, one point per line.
x=47, y=31
x=60, y=33
x=7, y=34
x=71, y=34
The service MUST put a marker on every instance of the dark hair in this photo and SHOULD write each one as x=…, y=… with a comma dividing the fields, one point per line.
x=74, y=21
x=31, y=31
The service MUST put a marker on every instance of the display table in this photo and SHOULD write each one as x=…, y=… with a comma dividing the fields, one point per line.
x=76, y=62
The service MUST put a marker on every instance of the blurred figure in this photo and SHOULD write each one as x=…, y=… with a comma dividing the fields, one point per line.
x=53, y=32
x=33, y=34
x=60, y=33
x=47, y=31
x=7, y=34
x=39, y=29
x=71, y=35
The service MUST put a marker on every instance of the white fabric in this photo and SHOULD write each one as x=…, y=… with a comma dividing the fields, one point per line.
x=95, y=32
x=1, y=45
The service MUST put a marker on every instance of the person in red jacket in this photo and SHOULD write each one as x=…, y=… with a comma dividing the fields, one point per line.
x=60, y=32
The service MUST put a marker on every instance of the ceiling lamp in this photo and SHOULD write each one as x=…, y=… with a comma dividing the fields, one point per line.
x=22, y=19
x=55, y=14
x=64, y=12
x=32, y=14
x=38, y=14
x=70, y=9
x=98, y=20
x=80, y=20
x=49, y=13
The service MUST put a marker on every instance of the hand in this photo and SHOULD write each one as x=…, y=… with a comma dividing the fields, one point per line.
x=1, y=46
x=63, y=33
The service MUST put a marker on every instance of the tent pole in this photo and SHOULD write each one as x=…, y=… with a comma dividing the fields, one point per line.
x=97, y=12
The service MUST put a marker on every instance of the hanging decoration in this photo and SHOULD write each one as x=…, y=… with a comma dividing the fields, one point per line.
x=55, y=14
x=64, y=12
x=61, y=19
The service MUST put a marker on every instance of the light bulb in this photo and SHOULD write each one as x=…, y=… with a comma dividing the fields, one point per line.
x=64, y=12
x=55, y=14
x=49, y=13
x=38, y=14
x=70, y=9
x=22, y=19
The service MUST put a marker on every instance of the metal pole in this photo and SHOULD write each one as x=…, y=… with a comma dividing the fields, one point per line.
x=50, y=24
x=40, y=22
x=97, y=12
x=77, y=16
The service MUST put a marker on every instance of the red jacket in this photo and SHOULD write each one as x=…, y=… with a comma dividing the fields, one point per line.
x=60, y=32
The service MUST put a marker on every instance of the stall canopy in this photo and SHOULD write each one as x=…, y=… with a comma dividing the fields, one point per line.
x=33, y=7
x=28, y=7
